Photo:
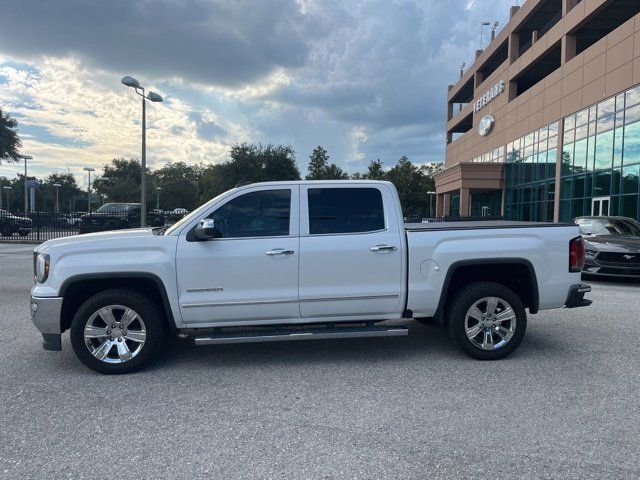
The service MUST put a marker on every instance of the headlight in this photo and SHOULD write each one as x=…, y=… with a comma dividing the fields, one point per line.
x=591, y=252
x=42, y=268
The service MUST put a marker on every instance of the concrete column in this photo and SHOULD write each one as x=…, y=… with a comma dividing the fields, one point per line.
x=567, y=6
x=439, y=204
x=556, y=199
x=449, y=110
x=534, y=36
x=446, y=204
x=465, y=202
x=567, y=48
x=513, y=47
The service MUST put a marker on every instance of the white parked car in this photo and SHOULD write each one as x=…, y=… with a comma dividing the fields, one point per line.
x=300, y=260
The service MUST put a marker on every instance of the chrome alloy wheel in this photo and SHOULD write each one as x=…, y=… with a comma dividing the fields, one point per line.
x=490, y=323
x=115, y=334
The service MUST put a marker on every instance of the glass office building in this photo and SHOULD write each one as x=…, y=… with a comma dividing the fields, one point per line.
x=545, y=124
x=601, y=159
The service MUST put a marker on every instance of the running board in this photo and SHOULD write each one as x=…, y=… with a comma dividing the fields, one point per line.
x=282, y=335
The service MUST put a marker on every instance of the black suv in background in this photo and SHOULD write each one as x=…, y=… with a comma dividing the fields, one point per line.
x=10, y=224
x=116, y=216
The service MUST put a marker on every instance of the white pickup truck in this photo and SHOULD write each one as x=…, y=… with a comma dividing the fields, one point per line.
x=300, y=260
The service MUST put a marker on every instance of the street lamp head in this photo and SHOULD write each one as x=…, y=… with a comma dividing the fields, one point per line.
x=57, y=185
x=129, y=81
x=25, y=157
x=7, y=188
x=89, y=169
x=154, y=97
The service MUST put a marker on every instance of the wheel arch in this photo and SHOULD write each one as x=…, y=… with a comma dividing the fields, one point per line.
x=77, y=289
x=517, y=274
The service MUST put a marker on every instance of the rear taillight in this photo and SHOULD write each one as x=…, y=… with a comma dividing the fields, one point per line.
x=576, y=254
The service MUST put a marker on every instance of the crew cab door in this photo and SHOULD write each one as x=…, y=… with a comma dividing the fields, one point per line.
x=351, y=251
x=251, y=272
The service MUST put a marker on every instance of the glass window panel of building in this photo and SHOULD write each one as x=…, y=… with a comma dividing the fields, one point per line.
x=530, y=172
x=601, y=157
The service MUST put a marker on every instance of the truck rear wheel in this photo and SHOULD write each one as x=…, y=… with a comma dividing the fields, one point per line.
x=487, y=320
x=117, y=331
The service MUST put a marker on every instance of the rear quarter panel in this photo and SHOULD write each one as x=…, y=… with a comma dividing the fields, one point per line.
x=433, y=252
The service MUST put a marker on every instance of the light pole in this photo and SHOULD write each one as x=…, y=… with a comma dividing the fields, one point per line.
x=158, y=197
x=430, y=194
x=2, y=179
x=26, y=200
x=89, y=170
x=7, y=189
x=154, y=97
x=57, y=187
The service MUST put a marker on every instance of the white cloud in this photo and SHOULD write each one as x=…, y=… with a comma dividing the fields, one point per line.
x=364, y=78
x=81, y=121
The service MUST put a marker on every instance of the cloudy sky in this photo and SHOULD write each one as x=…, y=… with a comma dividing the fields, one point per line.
x=366, y=79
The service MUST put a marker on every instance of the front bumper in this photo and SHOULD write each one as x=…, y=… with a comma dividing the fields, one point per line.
x=594, y=266
x=576, y=296
x=45, y=314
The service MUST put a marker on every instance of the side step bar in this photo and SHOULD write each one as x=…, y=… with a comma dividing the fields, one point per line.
x=280, y=335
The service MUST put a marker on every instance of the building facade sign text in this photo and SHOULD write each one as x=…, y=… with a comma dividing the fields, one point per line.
x=496, y=90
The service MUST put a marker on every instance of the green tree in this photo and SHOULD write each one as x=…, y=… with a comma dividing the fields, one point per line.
x=334, y=172
x=121, y=182
x=318, y=164
x=9, y=140
x=412, y=184
x=178, y=183
x=67, y=192
x=249, y=163
x=375, y=171
x=320, y=169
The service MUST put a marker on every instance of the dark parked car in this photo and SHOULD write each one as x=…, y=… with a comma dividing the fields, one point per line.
x=115, y=216
x=10, y=224
x=612, y=246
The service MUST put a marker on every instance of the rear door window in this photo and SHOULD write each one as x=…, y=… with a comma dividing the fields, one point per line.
x=345, y=210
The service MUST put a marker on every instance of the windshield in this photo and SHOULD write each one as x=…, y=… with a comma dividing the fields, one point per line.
x=608, y=226
x=197, y=212
x=114, y=207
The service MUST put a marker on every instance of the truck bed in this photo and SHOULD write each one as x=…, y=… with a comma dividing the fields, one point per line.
x=479, y=225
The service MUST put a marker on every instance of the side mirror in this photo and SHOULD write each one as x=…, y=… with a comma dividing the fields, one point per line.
x=206, y=230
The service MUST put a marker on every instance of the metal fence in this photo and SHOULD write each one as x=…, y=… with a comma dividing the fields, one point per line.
x=41, y=226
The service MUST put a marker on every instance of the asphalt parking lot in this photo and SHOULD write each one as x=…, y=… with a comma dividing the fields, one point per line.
x=565, y=405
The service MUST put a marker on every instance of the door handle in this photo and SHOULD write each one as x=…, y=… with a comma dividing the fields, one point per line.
x=279, y=251
x=383, y=248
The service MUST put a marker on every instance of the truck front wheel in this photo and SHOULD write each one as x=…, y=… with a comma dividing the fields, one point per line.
x=117, y=331
x=487, y=320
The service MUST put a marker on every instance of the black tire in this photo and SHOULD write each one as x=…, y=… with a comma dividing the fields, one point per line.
x=465, y=299
x=6, y=230
x=150, y=314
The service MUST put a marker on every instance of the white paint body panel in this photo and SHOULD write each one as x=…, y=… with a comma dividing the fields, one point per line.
x=334, y=277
